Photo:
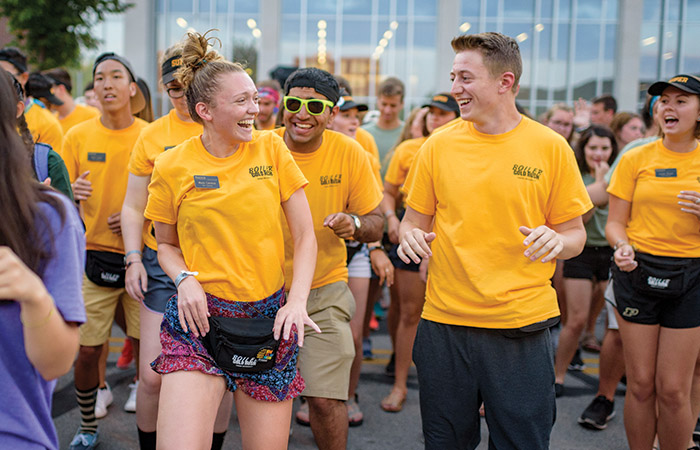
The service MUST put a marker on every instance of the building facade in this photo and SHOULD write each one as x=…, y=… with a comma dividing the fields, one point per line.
x=570, y=48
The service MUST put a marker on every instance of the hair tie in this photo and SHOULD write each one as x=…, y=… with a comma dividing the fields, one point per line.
x=201, y=62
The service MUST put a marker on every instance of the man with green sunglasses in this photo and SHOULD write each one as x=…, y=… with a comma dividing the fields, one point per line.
x=344, y=199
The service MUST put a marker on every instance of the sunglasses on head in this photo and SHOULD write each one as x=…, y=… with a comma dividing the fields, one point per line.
x=314, y=106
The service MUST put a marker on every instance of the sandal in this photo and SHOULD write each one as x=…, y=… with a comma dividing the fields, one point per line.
x=394, y=401
x=355, y=416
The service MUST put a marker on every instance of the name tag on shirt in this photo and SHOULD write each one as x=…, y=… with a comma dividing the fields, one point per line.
x=206, y=182
x=666, y=173
x=98, y=157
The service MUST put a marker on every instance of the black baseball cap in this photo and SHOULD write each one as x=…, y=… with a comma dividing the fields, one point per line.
x=169, y=68
x=138, y=102
x=39, y=86
x=346, y=102
x=687, y=83
x=444, y=101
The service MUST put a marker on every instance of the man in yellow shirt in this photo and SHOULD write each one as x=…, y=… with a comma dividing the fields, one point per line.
x=344, y=199
x=42, y=124
x=506, y=199
x=69, y=112
x=96, y=153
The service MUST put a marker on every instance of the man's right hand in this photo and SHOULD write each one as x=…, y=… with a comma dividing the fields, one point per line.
x=82, y=187
x=415, y=244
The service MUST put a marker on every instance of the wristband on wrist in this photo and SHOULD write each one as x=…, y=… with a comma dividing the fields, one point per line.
x=131, y=252
x=136, y=261
x=389, y=213
x=375, y=247
x=184, y=274
x=43, y=322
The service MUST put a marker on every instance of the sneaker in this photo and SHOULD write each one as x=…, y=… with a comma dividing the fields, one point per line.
x=302, y=414
x=367, y=348
x=576, y=363
x=390, y=368
x=84, y=441
x=355, y=415
x=104, y=399
x=598, y=413
x=127, y=355
x=130, y=405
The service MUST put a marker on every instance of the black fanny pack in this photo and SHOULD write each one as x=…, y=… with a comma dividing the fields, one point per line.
x=660, y=276
x=352, y=248
x=105, y=268
x=240, y=344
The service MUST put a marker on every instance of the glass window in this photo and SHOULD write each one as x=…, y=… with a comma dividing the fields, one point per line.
x=546, y=9
x=522, y=9
x=564, y=9
x=563, y=42
x=611, y=7
x=326, y=7
x=247, y=6
x=221, y=6
x=180, y=6
x=471, y=8
x=691, y=58
x=652, y=9
x=291, y=7
x=361, y=7
x=424, y=34
x=589, y=9
x=425, y=8
x=674, y=10
x=204, y=6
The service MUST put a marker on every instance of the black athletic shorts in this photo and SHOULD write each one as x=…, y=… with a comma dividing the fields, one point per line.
x=593, y=262
x=661, y=290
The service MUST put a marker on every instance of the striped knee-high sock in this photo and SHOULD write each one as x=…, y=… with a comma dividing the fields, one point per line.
x=86, y=403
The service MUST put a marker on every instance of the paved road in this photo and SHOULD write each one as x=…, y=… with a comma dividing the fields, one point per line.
x=381, y=430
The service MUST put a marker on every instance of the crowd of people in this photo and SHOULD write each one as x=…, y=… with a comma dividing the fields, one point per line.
x=243, y=240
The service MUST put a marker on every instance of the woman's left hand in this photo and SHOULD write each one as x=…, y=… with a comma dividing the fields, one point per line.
x=691, y=204
x=17, y=281
x=293, y=313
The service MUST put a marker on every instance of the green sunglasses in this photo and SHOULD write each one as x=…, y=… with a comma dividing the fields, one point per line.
x=314, y=106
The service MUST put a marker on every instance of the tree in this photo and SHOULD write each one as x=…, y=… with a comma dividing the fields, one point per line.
x=52, y=32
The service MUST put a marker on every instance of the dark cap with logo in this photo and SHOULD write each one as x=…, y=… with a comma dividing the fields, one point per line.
x=169, y=68
x=39, y=86
x=687, y=83
x=445, y=102
x=346, y=102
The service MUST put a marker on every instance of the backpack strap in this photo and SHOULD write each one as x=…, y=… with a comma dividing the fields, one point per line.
x=41, y=161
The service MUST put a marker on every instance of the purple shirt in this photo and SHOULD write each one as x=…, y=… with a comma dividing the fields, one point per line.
x=25, y=417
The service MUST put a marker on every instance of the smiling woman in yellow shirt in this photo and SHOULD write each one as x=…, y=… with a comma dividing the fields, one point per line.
x=216, y=201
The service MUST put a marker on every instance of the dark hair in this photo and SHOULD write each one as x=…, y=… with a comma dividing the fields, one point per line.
x=500, y=53
x=343, y=83
x=147, y=112
x=20, y=193
x=22, y=126
x=588, y=133
x=318, y=79
x=60, y=76
x=89, y=87
x=14, y=56
x=608, y=101
x=200, y=71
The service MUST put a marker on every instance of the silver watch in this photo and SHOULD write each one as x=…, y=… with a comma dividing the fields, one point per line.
x=184, y=274
x=356, y=219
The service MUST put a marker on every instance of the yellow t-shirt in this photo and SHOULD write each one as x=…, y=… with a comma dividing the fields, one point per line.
x=227, y=212
x=481, y=189
x=81, y=113
x=105, y=153
x=159, y=136
x=366, y=140
x=44, y=126
x=651, y=177
x=402, y=159
x=340, y=180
